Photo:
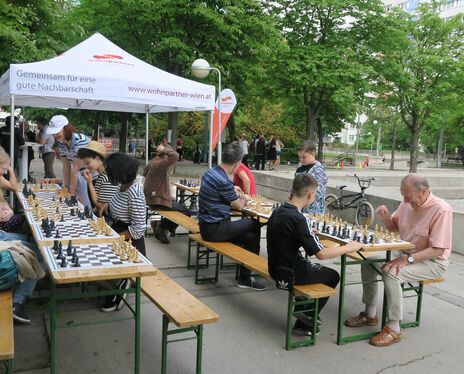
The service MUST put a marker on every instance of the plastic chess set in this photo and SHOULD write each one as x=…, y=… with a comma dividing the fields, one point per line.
x=332, y=227
x=93, y=256
x=259, y=206
x=47, y=199
x=80, y=231
x=190, y=183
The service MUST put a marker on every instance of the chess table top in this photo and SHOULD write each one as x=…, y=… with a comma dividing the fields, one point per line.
x=194, y=190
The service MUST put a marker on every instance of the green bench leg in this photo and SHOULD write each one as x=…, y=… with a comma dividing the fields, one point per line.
x=313, y=307
x=9, y=366
x=419, y=292
x=198, y=330
x=204, y=254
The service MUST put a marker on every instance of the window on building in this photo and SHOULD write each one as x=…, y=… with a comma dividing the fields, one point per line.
x=351, y=138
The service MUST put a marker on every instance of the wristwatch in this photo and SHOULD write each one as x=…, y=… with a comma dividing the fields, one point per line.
x=410, y=259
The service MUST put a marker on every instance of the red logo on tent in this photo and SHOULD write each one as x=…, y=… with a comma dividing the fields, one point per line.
x=107, y=56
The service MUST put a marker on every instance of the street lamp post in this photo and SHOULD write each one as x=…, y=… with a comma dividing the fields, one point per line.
x=201, y=69
x=378, y=138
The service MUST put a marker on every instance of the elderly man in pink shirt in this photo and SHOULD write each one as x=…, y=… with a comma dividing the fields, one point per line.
x=421, y=219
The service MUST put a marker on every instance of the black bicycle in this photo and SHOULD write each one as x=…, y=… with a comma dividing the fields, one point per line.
x=364, y=209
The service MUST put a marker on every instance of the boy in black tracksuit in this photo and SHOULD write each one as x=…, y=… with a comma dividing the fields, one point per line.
x=288, y=230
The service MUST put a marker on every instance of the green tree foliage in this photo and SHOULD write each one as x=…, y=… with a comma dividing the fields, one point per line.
x=419, y=64
x=31, y=30
x=234, y=36
x=325, y=63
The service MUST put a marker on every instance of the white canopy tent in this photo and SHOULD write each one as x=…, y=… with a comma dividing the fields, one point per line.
x=98, y=75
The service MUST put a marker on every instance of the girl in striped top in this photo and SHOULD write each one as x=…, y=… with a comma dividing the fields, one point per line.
x=101, y=190
x=127, y=207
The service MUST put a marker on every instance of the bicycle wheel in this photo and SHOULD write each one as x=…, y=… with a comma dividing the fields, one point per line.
x=364, y=213
x=330, y=202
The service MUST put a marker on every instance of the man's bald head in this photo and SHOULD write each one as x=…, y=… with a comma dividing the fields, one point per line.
x=415, y=181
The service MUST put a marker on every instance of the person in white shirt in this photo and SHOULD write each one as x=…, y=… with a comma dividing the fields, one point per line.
x=245, y=145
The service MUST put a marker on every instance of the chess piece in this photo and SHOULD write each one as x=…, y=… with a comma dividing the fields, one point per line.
x=57, y=235
x=60, y=254
x=72, y=212
x=74, y=256
x=64, y=263
x=70, y=248
x=55, y=245
x=77, y=264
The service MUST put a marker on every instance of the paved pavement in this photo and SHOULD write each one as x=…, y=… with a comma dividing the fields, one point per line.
x=249, y=337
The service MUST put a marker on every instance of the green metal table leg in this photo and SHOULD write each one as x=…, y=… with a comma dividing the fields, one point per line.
x=289, y=320
x=419, y=304
x=164, y=345
x=385, y=301
x=137, y=325
x=199, y=333
x=52, y=327
x=341, y=301
x=10, y=366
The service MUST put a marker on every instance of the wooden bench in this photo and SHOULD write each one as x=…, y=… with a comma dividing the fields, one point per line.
x=188, y=223
x=311, y=292
x=180, y=308
x=6, y=329
x=417, y=291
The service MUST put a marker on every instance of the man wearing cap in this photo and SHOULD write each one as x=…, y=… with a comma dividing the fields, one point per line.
x=47, y=142
x=69, y=142
x=5, y=136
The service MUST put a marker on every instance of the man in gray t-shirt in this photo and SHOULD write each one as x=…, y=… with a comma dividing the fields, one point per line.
x=47, y=148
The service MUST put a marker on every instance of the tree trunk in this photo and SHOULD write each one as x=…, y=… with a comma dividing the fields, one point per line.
x=123, y=132
x=320, y=136
x=310, y=123
x=414, y=148
x=392, y=161
x=172, y=125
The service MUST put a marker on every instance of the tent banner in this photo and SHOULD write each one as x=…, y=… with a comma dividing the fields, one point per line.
x=228, y=103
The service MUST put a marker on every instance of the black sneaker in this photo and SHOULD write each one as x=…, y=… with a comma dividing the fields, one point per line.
x=19, y=315
x=251, y=283
x=116, y=302
x=160, y=234
x=307, y=319
x=302, y=329
x=172, y=233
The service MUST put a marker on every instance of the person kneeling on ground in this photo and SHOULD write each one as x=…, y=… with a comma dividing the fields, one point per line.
x=288, y=230
x=217, y=196
x=157, y=189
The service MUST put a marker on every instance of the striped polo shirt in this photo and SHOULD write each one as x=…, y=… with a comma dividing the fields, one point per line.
x=216, y=194
x=78, y=141
x=104, y=189
x=129, y=207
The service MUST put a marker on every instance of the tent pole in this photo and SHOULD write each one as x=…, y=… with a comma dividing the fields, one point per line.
x=147, y=112
x=12, y=139
x=210, y=153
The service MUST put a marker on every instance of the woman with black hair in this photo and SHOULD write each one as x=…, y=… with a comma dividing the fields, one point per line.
x=127, y=207
x=126, y=213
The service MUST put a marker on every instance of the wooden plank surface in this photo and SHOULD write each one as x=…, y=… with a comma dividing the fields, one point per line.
x=431, y=281
x=259, y=265
x=193, y=190
x=181, y=219
x=6, y=325
x=87, y=275
x=182, y=308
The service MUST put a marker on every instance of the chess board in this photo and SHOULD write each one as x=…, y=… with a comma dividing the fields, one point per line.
x=40, y=187
x=343, y=232
x=91, y=256
x=46, y=199
x=65, y=215
x=191, y=186
x=78, y=231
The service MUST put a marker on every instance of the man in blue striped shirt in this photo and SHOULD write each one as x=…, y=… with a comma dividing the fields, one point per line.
x=217, y=196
